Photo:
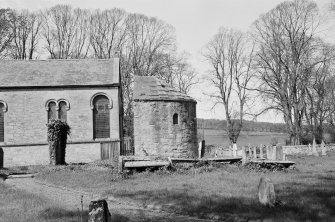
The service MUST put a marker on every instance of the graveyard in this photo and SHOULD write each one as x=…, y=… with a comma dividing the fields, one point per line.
x=190, y=192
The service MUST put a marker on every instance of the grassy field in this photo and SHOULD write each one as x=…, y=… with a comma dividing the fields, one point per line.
x=213, y=137
x=228, y=191
x=19, y=206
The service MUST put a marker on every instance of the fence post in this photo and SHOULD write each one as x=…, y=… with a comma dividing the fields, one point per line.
x=1, y=158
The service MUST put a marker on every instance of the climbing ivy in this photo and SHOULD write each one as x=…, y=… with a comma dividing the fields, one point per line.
x=57, y=135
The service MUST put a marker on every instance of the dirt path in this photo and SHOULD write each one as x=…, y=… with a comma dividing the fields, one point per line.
x=70, y=199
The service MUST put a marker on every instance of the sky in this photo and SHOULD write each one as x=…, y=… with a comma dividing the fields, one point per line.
x=195, y=22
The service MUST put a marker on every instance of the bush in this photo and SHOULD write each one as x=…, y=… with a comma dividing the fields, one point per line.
x=57, y=136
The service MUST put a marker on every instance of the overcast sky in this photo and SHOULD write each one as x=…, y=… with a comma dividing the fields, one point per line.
x=195, y=21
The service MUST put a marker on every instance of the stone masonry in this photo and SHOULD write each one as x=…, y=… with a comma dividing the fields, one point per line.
x=155, y=133
x=27, y=86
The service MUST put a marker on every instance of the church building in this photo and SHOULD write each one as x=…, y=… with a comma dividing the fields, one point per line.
x=84, y=93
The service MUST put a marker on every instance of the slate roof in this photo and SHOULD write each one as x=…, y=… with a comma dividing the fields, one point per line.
x=18, y=73
x=149, y=88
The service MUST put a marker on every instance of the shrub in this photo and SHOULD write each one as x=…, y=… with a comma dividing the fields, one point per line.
x=57, y=135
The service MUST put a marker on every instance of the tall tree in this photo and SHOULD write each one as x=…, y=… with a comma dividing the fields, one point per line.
x=230, y=55
x=26, y=30
x=6, y=31
x=285, y=36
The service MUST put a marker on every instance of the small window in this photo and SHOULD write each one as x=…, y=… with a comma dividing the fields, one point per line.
x=62, y=111
x=175, y=118
x=101, y=128
x=2, y=130
x=52, y=112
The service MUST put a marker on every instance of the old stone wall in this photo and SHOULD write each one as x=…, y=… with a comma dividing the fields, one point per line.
x=39, y=155
x=26, y=118
x=305, y=149
x=156, y=135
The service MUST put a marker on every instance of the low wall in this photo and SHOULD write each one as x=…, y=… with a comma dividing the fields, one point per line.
x=39, y=155
x=305, y=149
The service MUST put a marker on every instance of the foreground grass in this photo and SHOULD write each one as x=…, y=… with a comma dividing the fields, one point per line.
x=19, y=206
x=229, y=192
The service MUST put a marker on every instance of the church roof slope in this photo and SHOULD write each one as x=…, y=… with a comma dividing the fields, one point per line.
x=37, y=73
x=149, y=88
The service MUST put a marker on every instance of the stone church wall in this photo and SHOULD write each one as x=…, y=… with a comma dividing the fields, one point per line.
x=156, y=135
x=26, y=118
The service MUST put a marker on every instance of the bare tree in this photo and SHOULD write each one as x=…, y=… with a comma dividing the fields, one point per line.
x=230, y=56
x=26, y=28
x=6, y=31
x=65, y=32
x=286, y=37
x=107, y=32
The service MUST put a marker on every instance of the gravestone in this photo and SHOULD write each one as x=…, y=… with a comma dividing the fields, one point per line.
x=268, y=155
x=261, y=152
x=98, y=211
x=323, y=149
x=255, y=153
x=315, y=152
x=244, y=156
x=234, y=150
x=310, y=150
x=249, y=149
x=266, y=192
x=279, y=152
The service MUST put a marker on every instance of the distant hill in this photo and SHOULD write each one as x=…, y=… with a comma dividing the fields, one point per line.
x=247, y=125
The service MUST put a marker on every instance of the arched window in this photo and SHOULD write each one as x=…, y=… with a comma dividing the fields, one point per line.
x=62, y=111
x=52, y=111
x=175, y=118
x=101, y=108
x=2, y=125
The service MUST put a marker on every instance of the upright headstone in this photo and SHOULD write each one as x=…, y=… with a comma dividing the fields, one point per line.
x=268, y=155
x=255, y=153
x=315, y=152
x=279, y=152
x=310, y=150
x=199, y=149
x=244, y=156
x=261, y=152
x=266, y=192
x=323, y=149
x=98, y=211
x=234, y=149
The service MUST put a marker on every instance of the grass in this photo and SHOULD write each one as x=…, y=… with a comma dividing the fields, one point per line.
x=212, y=191
x=19, y=206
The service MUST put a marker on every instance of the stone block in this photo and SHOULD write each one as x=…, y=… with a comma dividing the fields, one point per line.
x=266, y=192
x=98, y=211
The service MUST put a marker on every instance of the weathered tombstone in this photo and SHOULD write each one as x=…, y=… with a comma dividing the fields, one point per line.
x=279, y=152
x=268, y=155
x=203, y=146
x=255, y=153
x=310, y=150
x=261, y=152
x=315, y=152
x=234, y=150
x=1, y=158
x=323, y=149
x=249, y=149
x=244, y=156
x=98, y=211
x=266, y=192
